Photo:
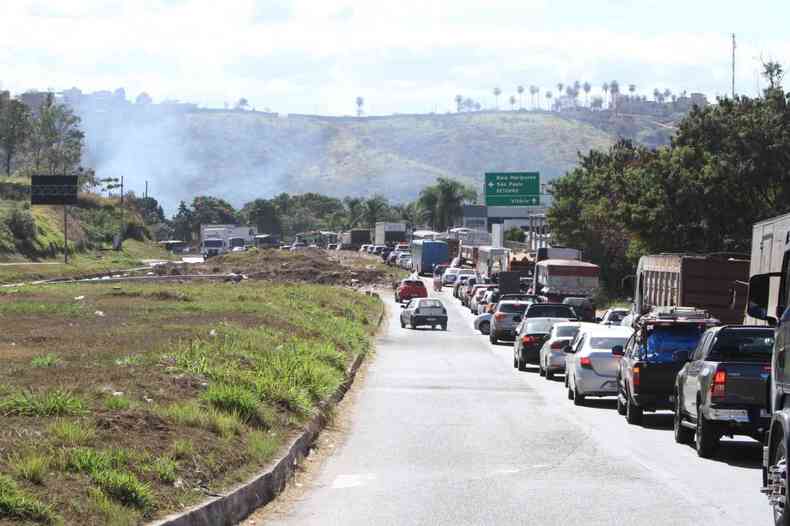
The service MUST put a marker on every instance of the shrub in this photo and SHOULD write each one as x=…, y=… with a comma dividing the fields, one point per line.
x=165, y=468
x=117, y=403
x=15, y=504
x=261, y=446
x=232, y=399
x=183, y=449
x=124, y=487
x=47, y=360
x=32, y=467
x=112, y=513
x=22, y=224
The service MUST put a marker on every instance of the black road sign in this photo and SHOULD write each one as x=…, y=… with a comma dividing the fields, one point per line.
x=53, y=190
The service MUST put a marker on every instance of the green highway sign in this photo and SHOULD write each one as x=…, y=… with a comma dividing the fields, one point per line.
x=512, y=189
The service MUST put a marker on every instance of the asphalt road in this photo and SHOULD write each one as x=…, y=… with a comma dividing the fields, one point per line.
x=446, y=431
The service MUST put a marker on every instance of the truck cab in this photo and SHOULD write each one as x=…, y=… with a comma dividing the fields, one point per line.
x=212, y=247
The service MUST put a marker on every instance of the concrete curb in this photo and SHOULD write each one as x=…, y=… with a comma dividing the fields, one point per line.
x=238, y=503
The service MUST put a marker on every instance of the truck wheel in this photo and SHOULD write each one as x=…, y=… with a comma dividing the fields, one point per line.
x=706, y=439
x=492, y=337
x=781, y=510
x=633, y=413
x=683, y=435
x=620, y=404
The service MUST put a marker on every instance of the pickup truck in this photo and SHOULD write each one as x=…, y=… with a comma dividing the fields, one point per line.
x=723, y=389
x=658, y=349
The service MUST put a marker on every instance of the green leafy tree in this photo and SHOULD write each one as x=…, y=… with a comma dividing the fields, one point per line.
x=443, y=202
x=56, y=138
x=515, y=234
x=15, y=129
x=263, y=214
x=182, y=223
x=520, y=91
x=211, y=210
x=497, y=92
x=375, y=209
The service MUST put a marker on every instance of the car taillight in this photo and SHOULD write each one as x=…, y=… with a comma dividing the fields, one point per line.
x=585, y=362
x=499, y=316
x=717, y=388
x=635, y=371
x=556, y=346
x=529, y=340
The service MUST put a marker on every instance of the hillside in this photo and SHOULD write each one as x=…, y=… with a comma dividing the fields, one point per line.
x=244, y=155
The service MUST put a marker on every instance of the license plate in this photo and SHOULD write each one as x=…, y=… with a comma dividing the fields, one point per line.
x=733, y=415
x=430, y=319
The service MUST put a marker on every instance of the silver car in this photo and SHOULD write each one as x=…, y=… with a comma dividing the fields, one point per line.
x=505, y=320
x=552, y=354
x=590, y=366
x=483, y=323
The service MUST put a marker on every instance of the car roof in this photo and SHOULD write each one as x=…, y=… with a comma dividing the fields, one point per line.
x=595, y=329
x=557, y=320
x=564, y=323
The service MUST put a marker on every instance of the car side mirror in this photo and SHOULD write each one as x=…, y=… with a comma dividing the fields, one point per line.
x=618, y=350
x=682, y=356
x=598, y=320
x=403, y=305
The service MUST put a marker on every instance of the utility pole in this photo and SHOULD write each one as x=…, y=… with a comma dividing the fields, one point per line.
x=146, y=189
x=733, y=66
x=65, y=236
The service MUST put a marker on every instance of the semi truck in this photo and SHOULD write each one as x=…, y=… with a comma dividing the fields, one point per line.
x=355, y=238
x=767, y=305
x=687, y=280
x=219, y=239
x=389, y=233
x=426, y=254
x=558, y=279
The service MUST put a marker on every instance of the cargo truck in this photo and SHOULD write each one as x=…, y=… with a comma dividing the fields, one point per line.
x=219, y=239
x=426, y=254
x=389, y=233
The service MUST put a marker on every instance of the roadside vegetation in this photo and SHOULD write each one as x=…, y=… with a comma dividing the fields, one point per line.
x=121, y=403
x=724, y=171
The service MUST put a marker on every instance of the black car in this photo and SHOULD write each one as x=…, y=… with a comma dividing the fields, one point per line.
x=723, y=389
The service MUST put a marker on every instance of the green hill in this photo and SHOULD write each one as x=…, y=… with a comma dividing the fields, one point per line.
x=243, y=155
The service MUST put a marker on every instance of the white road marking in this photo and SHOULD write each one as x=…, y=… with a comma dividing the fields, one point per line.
x=352, y=481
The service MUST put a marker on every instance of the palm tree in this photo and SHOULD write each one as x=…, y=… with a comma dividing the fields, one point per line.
x=667, y=93
x=520, y=91
x=656, y=94
x=549, y=95
x=458, y=102
x=442, y=202
x=374, y=210
x=354, y=205
x=614, y=89
x=560, y=86
x=632, y=89
x=534, y=91
x=512, y=101
x=497, y=93
x=605, y=89
x=587, y=87
x=360, y=102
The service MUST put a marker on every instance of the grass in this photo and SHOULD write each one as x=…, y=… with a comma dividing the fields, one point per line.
x=47, y=360
x=56, y=402
x=32, y=467
x=16, y=504
x=208, y=398
x=71, y=433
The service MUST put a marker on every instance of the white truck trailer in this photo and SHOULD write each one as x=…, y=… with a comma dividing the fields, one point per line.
x=389, y=233
x=219, y=239
x=770, y=260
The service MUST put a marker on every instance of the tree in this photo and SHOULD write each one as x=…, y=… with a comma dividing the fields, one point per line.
x=211, y=210
x=182, y=223
x=56, y=138
x=533, y=91
x=459, y=103
x=667, y=93
x=375, y=209
x=15, y=129
x=515, y=234
x=497, y=93
x=512, y=101
x=632, y=89
x=773, y=73
x=442, y=202
x=548, y=100
x=520, y=91
x=614, y=89
x=360, y=102
x=242, y=104
x=656, y=94
x=587, y=87
x=605, y=89
x=263, y=214
x=597, y=103
x=143, y=99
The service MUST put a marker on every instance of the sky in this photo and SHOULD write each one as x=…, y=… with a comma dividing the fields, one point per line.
x=407, y=56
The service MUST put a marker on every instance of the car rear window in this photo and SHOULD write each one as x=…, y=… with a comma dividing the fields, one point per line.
x=539, y=326
x=606, y=342
x=567, y=332
x=551, y=311
x=431, y=303
x=513, y=308
x=743, y=346
x=414, y=283
x=663, y=342
x=467, y=272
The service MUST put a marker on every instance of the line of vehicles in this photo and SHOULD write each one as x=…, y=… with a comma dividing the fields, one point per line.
x=706, y=337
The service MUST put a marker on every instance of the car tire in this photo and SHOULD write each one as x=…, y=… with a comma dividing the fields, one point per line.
x=402, y=325
x=578, y=399
x=522, y=364
x=541, y=371
x=492, y=337
x=620, y=404
x=633, y=413
x=444, y=326
x=706, y=439
x=412, y=325
x=485, y=327
x=570, y=394
x=781, y=513
x=549, y=374
x=683, y=435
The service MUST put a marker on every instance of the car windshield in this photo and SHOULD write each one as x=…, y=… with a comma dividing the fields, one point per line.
x=567, y=332
x=514, y=308
x=664, y=342
x=551, y=311
x=212, y=243
x=539, y=326
x=431, y=303
x=465, y=272
x=616, y=315
x=606, y=342
x=754, y=346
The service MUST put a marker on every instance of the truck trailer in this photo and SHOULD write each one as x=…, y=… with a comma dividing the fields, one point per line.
x=686, y=280
x=389, y=233
x=426, y=254
x=219, y=239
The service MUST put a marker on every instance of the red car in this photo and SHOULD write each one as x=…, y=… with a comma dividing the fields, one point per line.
x=410, y=288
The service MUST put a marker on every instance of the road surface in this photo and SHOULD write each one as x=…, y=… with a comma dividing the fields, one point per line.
x=446, y=431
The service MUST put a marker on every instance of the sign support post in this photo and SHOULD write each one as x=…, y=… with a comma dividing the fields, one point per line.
x=65, y=236
x=56, y=190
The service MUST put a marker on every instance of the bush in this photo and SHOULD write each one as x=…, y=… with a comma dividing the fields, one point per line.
x=21, y=224
x=72, y=433
x=16, y=505
x=124, y=487
x=32, y=467
x=46, y=403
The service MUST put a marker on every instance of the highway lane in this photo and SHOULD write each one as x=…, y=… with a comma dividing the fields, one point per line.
x=445, y=431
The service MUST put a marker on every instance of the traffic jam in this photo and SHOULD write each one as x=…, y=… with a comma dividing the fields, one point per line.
x=701, y=336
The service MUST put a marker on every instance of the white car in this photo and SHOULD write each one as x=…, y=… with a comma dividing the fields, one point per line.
x=614, y=316
x=590, y=366
x=551, y=359
x=363, y=249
